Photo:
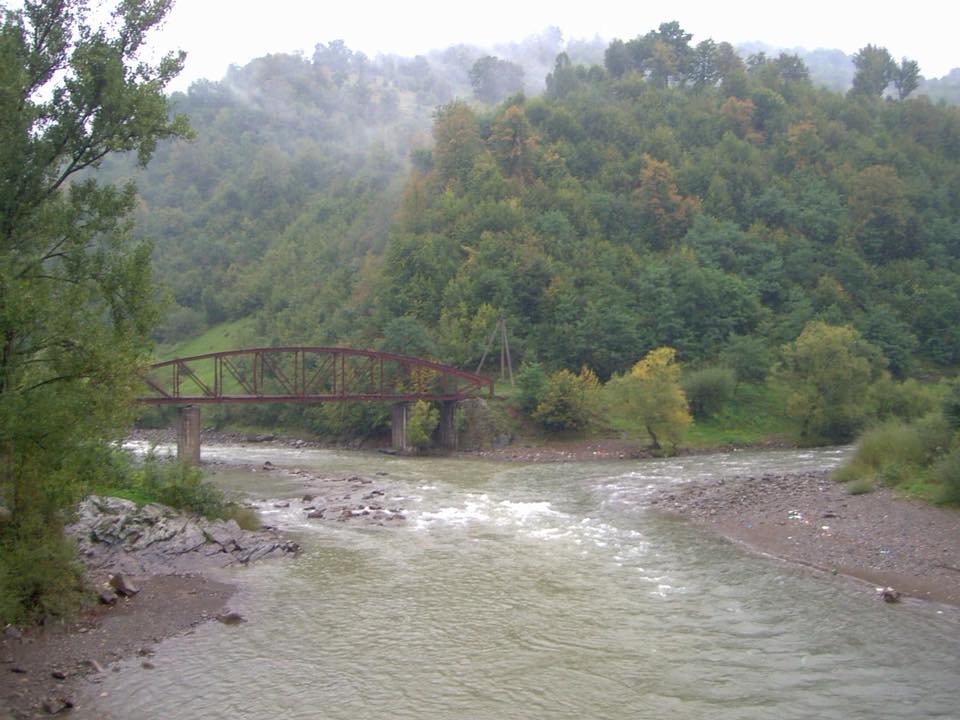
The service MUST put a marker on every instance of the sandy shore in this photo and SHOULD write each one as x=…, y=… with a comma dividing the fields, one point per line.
x=810, y=519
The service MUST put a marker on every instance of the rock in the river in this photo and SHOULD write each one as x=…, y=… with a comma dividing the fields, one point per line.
x=55, y=706
x=889, y=595
x=117, y=536
x=231, y=618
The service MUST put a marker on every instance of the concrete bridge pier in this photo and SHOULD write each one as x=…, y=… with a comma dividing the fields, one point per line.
x=398, y=426
x=447, y=431
x=188, y=434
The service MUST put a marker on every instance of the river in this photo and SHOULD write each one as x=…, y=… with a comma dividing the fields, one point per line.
x=537, y=591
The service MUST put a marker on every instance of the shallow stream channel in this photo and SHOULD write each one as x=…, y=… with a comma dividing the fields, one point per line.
x=534, y=591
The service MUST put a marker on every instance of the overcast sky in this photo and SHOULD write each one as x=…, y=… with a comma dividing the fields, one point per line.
x=217, y=33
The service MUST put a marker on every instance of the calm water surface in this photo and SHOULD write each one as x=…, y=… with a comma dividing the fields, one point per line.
x=547, y=591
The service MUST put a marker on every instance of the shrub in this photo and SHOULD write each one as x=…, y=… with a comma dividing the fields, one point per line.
x=860, y=487
x=182, y=487
x=707, y=390
x=946, y=473
x=570, y=402
x=347, y=419
x=892, y=443
x=907, y=400
x=423, y=420
x=245, y=517
x=39, y=572
x=951, y=404
x=896, y=453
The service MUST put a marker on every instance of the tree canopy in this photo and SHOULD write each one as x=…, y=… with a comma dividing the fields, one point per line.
x=76, y=299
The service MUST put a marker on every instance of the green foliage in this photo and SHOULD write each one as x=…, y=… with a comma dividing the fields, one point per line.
x=746, y=202
x=164, y=481
x=181, y=487
x=749, y=358
x=915, y=456
x=753, y=416
x=346, y=419
x=707, y=390
x=532, y=384
x=830, y=370
x=422, y=422
x=407, y=336
x=76, y=301
x=875, y=70
x=39, y=573
x=651, y=393
x=569, y=402
x=946, y=473
x=951, y=403
x=861, y=486
x=907, y=400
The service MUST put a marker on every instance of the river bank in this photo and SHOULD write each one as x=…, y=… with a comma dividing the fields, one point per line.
x=153, y=574
x=41, y=671
x=812, y=520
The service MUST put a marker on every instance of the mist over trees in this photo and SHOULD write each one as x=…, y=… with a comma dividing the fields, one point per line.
x=671, y=191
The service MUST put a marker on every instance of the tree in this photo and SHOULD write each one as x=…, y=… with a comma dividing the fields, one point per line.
x=875, y=70
x=651, y=394
x=906, y=78
x=881, y=215
x=456, y=141
x=748, y=356
x=829, y=369
x=493, y=79
x=704, y=69
x=666, y=214
x=75, y=295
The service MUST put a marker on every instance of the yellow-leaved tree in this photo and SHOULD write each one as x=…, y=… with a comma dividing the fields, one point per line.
x=651, y=393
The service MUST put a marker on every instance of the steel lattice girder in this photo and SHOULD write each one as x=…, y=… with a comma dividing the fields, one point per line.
x=307, y=375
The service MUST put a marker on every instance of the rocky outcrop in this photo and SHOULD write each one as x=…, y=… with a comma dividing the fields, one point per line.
x=116, y=536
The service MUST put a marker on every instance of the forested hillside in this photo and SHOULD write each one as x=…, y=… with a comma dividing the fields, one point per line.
x=677, y=195
x=681, y=203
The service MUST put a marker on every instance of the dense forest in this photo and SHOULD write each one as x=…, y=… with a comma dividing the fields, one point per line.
x=675, y=194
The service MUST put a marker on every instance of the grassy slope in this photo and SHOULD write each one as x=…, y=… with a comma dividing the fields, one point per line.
x=225, y=336
x=757, y=415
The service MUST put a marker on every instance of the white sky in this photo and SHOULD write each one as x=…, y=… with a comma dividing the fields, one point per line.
x=217, y=33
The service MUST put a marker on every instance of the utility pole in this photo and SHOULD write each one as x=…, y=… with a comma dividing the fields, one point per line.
x=506, y=362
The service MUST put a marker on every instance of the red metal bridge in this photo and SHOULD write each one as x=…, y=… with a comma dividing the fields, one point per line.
x=307, y=375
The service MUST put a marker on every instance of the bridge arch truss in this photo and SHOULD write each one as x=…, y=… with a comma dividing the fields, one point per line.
x=307, y=375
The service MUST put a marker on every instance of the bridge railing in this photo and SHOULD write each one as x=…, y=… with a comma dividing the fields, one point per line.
x=306, y=374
